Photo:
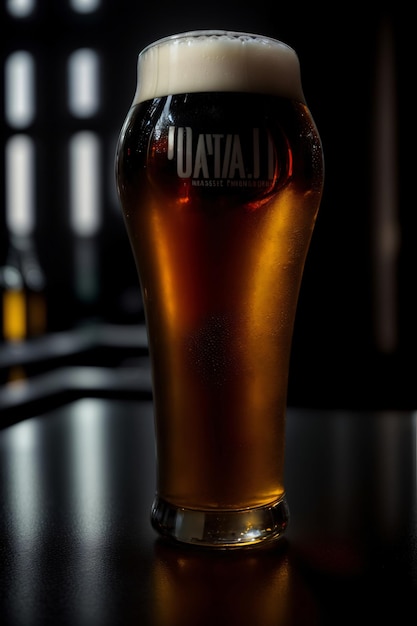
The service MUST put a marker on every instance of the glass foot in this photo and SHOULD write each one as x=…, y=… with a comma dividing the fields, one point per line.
x=242, y=528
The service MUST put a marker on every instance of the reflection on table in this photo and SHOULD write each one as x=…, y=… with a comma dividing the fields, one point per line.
x=77, y=482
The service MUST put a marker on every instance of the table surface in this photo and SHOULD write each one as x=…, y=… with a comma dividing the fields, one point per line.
x=76, y=486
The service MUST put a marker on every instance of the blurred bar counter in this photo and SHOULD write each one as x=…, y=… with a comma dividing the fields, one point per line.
x=103, y=360
x=77, y=479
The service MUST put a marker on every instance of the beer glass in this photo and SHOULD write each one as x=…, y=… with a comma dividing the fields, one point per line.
x=219, y=171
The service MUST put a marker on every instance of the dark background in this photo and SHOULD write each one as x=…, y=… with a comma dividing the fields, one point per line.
x=337, y=358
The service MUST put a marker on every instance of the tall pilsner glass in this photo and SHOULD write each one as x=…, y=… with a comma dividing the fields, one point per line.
x=219, y=170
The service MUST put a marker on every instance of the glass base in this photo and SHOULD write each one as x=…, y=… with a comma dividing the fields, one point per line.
x=242, y=528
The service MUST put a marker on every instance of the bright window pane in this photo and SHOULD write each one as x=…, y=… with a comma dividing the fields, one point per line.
x=84, y=183
x=20, y=8
x=19, y=89
x=85, y=6
x=20, y=185
x=83, y=70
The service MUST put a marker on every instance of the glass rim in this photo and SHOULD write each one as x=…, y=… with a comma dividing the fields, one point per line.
x=208, y=32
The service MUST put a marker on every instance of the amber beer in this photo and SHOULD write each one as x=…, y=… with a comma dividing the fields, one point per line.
x=220, y=170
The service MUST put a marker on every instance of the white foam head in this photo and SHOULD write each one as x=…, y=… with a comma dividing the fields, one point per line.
x=217, y=60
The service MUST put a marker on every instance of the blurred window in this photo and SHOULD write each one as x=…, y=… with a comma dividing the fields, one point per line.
x=84, y=183
x=20, y=185
x=83, y=83
x=85, y=6
x=19, y=89
x=20, y=8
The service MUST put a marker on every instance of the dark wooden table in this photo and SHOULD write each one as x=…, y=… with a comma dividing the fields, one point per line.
x=77, y=548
